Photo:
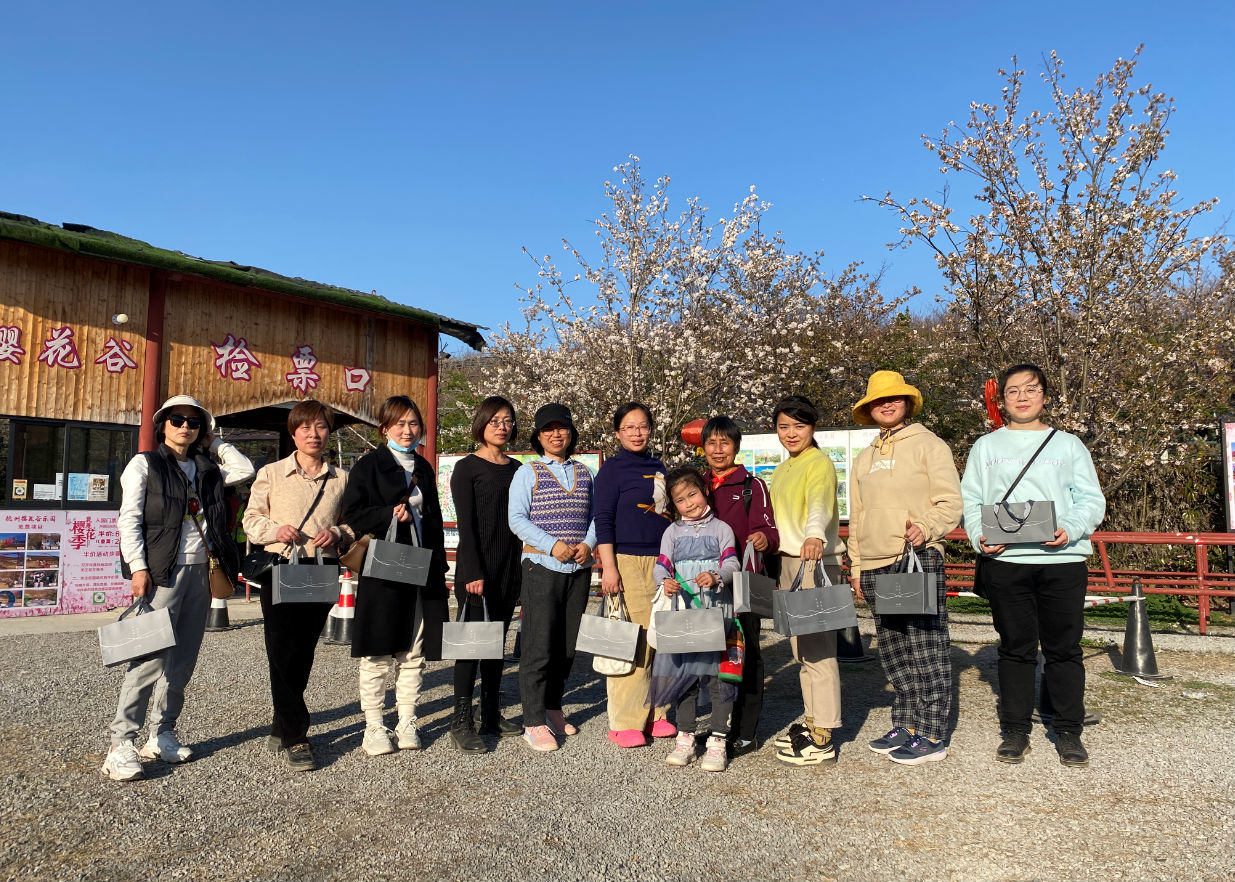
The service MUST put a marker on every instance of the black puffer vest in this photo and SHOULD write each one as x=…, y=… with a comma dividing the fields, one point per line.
x=163, y=515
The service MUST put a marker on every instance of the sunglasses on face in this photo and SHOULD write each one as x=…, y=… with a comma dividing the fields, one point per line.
x=178, y=420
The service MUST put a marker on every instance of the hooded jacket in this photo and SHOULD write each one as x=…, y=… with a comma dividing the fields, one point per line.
x=913, y=480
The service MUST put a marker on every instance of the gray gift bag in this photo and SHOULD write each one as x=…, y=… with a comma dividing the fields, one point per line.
x=1018, y=523
x=911, y=592
x=801, y=611
x=387, y=559
x=607, y=636
x=689, y=630
x=752, y=592
x=475, y=640
x=147, y=632
x=297, y=582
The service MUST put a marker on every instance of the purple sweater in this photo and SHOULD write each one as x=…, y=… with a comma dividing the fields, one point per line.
x=630, y=503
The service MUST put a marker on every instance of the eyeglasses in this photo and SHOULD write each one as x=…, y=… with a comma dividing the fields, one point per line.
x=642, y=429
x=179, y=420
x=1022, y=392
x=502, y=424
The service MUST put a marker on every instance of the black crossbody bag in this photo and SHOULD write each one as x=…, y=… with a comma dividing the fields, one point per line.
x=259, y=562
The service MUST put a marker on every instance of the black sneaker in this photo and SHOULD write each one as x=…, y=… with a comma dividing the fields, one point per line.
x=785, y=741
x=805, y=751
x=1071, y=751
x=1013, y=748
x=300, y=757
x=742, y=746
x=896, y=738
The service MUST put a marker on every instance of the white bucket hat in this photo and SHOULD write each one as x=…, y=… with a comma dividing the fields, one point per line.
x=190, y=401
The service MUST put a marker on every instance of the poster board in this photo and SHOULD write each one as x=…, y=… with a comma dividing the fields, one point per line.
x=446, y=463
x=762, y=453
x=1228, y=471
x=56, y=561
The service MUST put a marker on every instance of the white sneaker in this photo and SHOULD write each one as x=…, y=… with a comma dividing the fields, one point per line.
x=166, y=747
x=122, y=763
x=716, y=758
x=377, y=740
x=407, y=734
x=683, y=750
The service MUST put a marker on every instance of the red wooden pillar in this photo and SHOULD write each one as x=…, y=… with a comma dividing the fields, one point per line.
x=152, y=368
x=431, y=409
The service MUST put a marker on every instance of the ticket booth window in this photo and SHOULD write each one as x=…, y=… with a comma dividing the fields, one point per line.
x=50, y=464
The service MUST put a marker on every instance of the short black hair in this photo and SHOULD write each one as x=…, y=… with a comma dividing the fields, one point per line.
x=489, y=408
x=799, y=408
x=1039, y=374
x=621, y=412
x=725, y=427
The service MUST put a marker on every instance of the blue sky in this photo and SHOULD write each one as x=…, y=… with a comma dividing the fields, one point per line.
x=416, y=149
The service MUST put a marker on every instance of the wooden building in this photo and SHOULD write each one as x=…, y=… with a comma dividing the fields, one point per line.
x=97, y=329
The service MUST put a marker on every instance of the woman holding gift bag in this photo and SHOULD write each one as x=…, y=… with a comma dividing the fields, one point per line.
x=396, y=624
x=486, y=564
x=296, y=503
x=550, y=510
x=1037, y=591
x=172, y=521
x=804, y=500
x=904, y=491
x=631, y=516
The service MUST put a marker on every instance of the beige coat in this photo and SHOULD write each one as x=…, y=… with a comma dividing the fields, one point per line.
x=282, y=493
x=914, y=479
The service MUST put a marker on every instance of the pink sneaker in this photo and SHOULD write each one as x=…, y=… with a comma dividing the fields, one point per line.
x=557, y=722
x=661, y=729
x=540, y=738
x=628, y=738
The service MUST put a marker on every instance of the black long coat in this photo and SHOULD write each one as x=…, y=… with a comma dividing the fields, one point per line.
x=384, y=609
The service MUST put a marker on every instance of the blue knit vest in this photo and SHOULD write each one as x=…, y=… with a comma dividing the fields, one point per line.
x=561, y=513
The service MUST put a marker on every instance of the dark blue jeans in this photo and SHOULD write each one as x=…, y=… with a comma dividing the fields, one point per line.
x=1032, y=605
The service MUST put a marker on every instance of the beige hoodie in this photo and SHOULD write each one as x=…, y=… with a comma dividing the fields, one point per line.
x=914, y=480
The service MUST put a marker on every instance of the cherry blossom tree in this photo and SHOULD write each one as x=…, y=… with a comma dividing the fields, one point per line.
x=689, y=313
x=1081, y=256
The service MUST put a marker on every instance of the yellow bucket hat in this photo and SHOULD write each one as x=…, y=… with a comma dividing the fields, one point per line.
x=886, y=384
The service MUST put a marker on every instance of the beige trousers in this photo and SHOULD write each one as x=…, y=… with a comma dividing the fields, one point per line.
x=820, y=674
x=409, y=670
x=628, y=694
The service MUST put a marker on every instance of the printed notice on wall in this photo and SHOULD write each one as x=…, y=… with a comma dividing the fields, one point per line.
x=57, y=561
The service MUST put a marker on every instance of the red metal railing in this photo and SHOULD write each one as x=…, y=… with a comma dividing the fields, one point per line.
x=1201, y=582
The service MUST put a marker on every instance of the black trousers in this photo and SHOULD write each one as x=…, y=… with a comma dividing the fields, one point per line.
x=291, y=634
x=1036, y=604
x=749, y=703
x=553, y=604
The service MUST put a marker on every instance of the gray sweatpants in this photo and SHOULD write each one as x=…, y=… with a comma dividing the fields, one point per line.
x=166, y=674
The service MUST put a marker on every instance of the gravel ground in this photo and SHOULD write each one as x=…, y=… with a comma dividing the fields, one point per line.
x=1156, y=803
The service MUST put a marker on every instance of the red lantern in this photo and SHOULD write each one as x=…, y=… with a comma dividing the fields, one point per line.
x=692, y=433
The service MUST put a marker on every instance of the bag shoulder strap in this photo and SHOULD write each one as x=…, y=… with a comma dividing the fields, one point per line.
x=1049, y=436
x=316, y=499
x=747, y=493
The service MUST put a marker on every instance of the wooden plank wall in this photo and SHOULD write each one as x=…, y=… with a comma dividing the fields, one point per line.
x=201, y=314
x=42, y=289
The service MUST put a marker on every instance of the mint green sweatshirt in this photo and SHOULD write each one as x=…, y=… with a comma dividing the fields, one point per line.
x=1063, y=473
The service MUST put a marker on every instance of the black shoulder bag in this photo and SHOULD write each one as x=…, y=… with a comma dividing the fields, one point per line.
x=259, y=562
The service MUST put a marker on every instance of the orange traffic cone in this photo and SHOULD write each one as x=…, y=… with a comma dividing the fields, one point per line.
x=217, y=619
x=342, y=619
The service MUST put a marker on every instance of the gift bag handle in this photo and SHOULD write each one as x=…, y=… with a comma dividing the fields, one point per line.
x=1005, y=507
x=748, y=557
x=619, y=607
x=462, y=616
x=821, y=577
x=295, y=558
x=140, y=604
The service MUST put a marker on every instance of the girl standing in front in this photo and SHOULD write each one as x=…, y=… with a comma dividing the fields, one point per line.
x=697, y=548
x=804, y=500
x=396, y=624
x=1036, y=592
x=905, y=491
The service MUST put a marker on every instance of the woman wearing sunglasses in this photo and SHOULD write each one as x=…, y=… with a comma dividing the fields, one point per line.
x=173, y=518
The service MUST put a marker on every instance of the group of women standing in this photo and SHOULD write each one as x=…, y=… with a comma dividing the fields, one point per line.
x=530, y=534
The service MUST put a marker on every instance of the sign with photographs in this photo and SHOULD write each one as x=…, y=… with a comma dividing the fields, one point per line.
x=761, y=454
x=57, y=561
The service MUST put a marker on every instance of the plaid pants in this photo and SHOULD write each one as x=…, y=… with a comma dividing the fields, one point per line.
x=916, y=656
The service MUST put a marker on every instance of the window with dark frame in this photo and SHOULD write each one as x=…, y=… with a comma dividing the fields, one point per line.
x=62, y=464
